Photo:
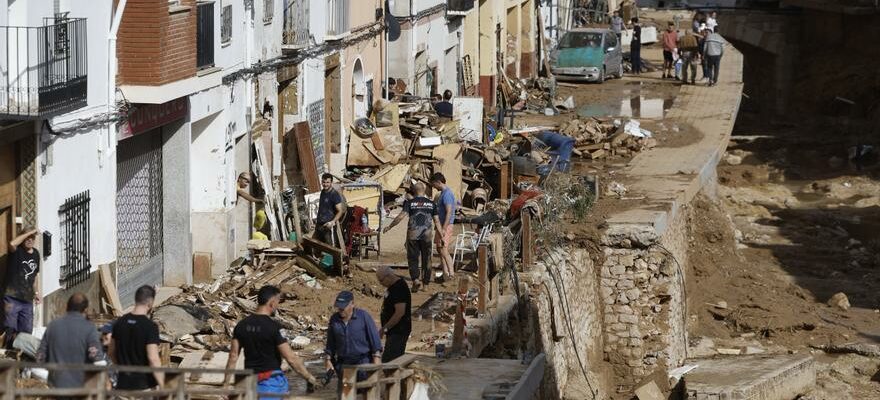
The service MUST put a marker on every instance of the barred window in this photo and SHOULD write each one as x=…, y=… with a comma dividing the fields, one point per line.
x=74, y=216
x=226, y=24
x=268, y=10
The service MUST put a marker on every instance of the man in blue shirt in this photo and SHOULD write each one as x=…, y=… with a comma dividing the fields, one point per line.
x=352, y=337
x=444, y=108
x=446, y=212
x=561, y=145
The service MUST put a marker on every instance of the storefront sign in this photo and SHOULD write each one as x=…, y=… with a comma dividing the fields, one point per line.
x=149, y=116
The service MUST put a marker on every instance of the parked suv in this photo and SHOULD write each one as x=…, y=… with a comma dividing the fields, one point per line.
x=587, y=54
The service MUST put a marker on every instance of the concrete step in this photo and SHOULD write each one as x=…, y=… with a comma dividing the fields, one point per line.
x=759, y=377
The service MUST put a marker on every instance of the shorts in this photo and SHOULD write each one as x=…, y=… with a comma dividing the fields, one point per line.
x=667, y=56
x=447, y=237
x=274, y=386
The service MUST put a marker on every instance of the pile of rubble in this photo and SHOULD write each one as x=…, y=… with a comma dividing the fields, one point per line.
x=597, y=138
x=203, y=316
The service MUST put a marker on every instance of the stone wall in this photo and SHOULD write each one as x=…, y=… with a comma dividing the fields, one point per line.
x=642, y=289
x=573, y=271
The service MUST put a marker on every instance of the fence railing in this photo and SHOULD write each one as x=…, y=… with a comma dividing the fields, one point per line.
x=74, y=215
x=296, y=24
x=205, y=35
x=338, y=19
x=44, y=69
x=97, y=379
x=387, y=381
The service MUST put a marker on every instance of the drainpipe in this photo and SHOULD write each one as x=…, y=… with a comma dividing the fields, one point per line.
x=112, y=64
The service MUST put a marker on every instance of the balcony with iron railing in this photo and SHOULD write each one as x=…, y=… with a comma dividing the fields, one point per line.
x=44, y=70
x=459, y=7
x=296, y=25
x=338, y=19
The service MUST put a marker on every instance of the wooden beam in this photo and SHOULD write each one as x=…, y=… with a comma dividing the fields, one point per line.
x=526, y=218
x=483, y=278
x=109, y=287
x=458, y=327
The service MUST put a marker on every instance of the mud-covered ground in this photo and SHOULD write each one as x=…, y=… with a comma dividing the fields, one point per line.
x=795, y=223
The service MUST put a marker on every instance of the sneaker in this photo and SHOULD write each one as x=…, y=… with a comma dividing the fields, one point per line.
x=415, y=287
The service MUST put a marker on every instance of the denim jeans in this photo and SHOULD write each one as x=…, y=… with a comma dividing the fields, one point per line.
x=19, y=315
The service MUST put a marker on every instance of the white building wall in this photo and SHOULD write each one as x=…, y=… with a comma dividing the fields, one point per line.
x=70, y=164
x=424, y=46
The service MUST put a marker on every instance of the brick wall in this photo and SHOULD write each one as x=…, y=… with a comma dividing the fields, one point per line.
x=154, y=45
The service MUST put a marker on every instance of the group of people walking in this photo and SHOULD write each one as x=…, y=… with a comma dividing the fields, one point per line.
x=702, y=45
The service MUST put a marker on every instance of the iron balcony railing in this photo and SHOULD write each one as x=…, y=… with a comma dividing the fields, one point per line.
x=44, y=70
x=338, y=21
x=296, y=24
x=459, y=6
x=205, y=35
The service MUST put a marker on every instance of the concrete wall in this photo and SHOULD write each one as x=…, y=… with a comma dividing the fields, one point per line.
x=422, y=46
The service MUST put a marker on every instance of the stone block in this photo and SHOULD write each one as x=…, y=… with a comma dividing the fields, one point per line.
x=633, y=294
x=610, y=318
x=622, y=299
x=623, y=309
x=641, y=265
x=618, y=270
x=606, y=291
x=624, y=284
x=634, y=363
x=627, y=260
x=629, y=319
x=634, y=331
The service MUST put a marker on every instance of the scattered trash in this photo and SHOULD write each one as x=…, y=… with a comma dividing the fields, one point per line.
x=840, y=301
x=616, y=188
x=633, y=128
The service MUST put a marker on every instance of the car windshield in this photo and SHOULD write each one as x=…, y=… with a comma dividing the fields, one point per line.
x=581, y=39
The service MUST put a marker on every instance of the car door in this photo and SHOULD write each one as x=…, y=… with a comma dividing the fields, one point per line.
x=613, y=55
x=606, y=44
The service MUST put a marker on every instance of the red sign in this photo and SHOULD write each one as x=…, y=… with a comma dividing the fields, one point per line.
x=149, y=116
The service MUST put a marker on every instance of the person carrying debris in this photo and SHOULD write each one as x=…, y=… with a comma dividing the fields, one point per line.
x=635, y=47
x=423, y=218
x=352, y=337
x=444, y=108
x=264, y=347
x=244, y=179
x=22, y=290
x=331, y=209
x=136, y=342
x=670, y=43
x=396, y=315
x=713, y=49
x=446, y=211
x=71, y=339
x=690, y=55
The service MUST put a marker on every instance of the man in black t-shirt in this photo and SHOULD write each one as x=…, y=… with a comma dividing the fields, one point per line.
x=22, y=290
x=136, y=342
x=331, y=209
x=396, y=314
x=264, y=346
x=423, y=217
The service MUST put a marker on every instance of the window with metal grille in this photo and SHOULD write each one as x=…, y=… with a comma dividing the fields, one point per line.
x=226, y=25
x=74, y=216
x=268, y=10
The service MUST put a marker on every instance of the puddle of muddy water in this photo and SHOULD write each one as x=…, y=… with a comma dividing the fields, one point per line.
x=633, y=107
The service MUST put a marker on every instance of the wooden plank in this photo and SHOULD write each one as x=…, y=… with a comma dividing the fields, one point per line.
x=482, y=279
x=526, y=218
x=306, y=157
x=270, y=197
x=450, y=166
x=458, y=323
x=505, y=181
x=391, y=178
x=202, y=262
x=203, y=359
x=109, y=288
x=313, y=244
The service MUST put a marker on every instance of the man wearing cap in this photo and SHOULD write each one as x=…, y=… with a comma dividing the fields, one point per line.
x=264, y=346
x=352, y=337
x=71, y=339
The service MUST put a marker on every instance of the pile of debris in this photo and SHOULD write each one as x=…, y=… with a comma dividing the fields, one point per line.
x=598, y=138
x=203, y=316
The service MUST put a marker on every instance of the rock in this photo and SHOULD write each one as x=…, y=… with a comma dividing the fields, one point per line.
x=729, y=352
x=178, y=320
x=840, y=301
x=300, y=342
x=867, y=202
x=752, y=350
x=731, y=159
